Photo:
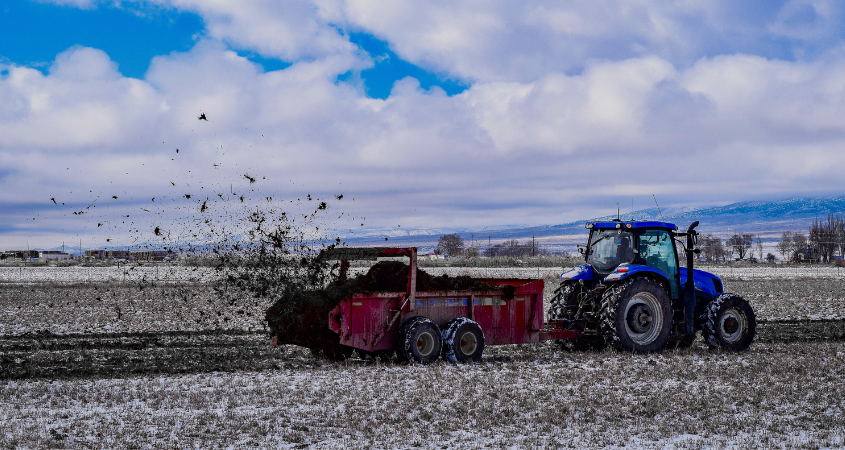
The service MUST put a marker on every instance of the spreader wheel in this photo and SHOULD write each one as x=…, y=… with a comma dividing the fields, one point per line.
x=729, y=323
x=419, y=341
x=637, y=316
x=463, y=341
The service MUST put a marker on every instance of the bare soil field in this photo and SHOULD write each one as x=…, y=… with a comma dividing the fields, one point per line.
x=531, y=396
x=115, y=364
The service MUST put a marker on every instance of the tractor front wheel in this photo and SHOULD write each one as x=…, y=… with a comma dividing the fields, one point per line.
x=637, y=316
x=729, y=323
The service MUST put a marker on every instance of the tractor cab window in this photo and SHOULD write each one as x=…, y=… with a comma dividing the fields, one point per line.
x=609, y=248
x=658, y=251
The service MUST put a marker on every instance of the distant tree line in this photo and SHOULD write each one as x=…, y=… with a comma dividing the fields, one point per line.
x=824, y=241
x=453, y=245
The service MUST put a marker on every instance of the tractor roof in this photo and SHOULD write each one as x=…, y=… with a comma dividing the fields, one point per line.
x=633, y=224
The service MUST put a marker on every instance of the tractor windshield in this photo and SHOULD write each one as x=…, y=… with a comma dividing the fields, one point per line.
x=609, y=248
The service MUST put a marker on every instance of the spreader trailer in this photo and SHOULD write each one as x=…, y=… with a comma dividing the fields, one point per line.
x=423, y=326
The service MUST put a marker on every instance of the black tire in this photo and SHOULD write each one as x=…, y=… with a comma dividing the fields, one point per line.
x=567, y=295
x=419, y=341
x=729, y=323
x=637, y=316
x=332, y=353
x=463, y=340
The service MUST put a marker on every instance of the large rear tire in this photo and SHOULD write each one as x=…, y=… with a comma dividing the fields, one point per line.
x=566, y=298
x=637, y=316
x=463, y=341
x=419, y=341
x=729, y=323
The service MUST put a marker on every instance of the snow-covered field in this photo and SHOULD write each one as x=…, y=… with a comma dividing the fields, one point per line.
x=777, y=395
x=773, y=396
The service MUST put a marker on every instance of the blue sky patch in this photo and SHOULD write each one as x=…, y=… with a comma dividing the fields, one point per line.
x=32, y=34
x=390, y=68
x=268, y=64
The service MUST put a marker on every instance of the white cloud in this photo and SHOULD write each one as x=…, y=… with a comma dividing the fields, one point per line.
x=290, y=30
x=808, y=19
x=524, y=41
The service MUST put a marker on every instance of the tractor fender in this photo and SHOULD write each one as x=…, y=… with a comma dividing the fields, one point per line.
x=628, y=271
x=582, y=272
x=705, y=282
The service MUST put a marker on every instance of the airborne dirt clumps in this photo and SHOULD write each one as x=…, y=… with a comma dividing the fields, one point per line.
x=301, y=317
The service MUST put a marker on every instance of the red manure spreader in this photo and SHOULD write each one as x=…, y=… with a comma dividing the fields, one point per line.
x=418, y=323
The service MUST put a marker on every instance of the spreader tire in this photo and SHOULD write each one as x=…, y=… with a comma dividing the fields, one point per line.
x=729, y=323
x=567, y=294
x=463, y=341
x=419, y=341
x=636, y=316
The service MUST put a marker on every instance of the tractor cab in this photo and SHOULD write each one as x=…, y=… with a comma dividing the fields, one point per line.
x=648, y=244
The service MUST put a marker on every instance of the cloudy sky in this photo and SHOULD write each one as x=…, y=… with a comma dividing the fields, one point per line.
x=435, y=114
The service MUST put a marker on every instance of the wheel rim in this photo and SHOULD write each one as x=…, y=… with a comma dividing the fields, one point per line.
x=468, y=343
x=425, y=343
x=643, y=318
x=733, y=325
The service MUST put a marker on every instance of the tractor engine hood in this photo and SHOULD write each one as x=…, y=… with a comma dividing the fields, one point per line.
x=704, y=281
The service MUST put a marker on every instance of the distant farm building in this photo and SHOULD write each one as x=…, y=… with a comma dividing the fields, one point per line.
x=55, y=255
x=126, y=255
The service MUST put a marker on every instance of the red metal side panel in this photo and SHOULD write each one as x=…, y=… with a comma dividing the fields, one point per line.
x=364, y=319
x=361, y=321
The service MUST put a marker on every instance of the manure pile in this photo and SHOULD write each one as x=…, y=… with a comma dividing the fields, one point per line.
x=302, y=317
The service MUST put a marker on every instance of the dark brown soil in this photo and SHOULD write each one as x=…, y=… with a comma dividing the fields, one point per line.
x=112, y=355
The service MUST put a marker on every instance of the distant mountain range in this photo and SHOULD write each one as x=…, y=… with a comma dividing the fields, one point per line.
x=767, y=219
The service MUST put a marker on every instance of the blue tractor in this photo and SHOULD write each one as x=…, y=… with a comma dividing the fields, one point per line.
x=633, y=294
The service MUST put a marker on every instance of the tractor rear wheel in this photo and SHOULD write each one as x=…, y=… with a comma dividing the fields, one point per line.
x=419, y=341
x=637, y=316
x=729, y=323
x=568, y=295
x=463, y=341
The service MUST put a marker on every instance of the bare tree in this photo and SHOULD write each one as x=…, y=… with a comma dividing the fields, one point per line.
x=799, y=243
x=759, y=248
x=712, y=248
x=770, y=258
x=451, y=244
x=785, y=245
x=740, y=244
